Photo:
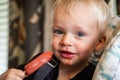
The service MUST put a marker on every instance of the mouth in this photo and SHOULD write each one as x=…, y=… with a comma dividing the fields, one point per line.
x=67, y=54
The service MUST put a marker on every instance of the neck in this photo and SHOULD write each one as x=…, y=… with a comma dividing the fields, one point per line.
x=69, y=72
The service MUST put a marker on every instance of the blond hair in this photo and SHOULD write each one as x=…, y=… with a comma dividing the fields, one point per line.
x=98, y=7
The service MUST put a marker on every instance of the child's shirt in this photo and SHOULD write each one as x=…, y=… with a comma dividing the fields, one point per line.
x=85, y=74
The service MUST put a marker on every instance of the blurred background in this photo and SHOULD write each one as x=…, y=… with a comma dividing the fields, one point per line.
x=25, y=29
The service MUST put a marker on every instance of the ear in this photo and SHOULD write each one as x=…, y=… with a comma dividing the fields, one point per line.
x=101, y=43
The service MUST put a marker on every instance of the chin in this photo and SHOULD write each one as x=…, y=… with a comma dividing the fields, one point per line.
x=66, y=63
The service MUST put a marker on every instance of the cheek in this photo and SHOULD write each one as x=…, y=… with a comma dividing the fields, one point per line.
x=54, y=43
x=86, y=49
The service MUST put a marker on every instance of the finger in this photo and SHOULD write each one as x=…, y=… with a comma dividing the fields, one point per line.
x=20, y=73
x=14, y=74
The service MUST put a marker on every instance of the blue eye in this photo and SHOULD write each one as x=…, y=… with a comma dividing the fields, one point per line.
x=80, y=34
x=57, y=32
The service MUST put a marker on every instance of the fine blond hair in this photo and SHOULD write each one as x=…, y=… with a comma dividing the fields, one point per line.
x=98, y=7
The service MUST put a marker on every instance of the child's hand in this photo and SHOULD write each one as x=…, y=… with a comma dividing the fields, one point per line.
x=13, y=74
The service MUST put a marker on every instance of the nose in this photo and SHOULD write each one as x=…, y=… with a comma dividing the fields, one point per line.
x=66, y=40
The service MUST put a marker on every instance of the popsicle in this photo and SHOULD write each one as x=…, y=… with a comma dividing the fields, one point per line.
x=38, y=62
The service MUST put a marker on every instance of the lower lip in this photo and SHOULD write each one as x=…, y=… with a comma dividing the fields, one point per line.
x=67, y=55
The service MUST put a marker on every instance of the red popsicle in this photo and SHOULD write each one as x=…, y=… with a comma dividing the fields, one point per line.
x=38, y=62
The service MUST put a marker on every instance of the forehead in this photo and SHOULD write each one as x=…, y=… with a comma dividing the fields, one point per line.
x=79, y=14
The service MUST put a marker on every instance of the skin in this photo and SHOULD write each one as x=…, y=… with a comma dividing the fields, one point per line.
x=75, y=37
x=13, y=74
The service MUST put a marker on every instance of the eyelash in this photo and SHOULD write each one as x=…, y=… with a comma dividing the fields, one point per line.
x=80, y=34
x=57, y=31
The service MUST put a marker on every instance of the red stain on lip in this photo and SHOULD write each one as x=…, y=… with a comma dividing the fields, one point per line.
x=66, y=54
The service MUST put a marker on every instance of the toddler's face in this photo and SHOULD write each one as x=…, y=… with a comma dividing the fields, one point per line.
x=75, y=35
